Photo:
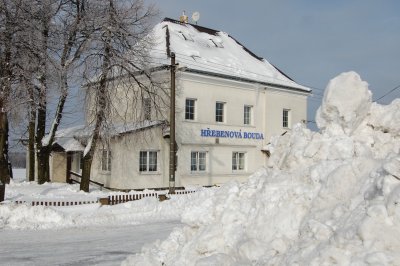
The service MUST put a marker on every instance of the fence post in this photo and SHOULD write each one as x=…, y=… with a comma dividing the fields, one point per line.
x=104, y=201
x=2, y=191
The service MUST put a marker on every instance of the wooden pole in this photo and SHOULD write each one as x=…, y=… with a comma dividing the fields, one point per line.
x=172, y=129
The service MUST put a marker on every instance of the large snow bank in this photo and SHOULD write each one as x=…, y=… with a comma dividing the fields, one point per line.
x=345, y=104
x=147, y=210
x=24, y=216
x=329, y=197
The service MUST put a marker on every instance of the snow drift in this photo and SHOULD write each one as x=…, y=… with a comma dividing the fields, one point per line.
x=329, y=197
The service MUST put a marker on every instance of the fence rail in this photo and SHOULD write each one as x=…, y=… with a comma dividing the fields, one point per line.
x=79, y=176
x=110, y=200
x=55, y=203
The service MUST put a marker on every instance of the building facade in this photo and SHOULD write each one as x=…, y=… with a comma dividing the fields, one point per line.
x=229, y=104
x=222, y=126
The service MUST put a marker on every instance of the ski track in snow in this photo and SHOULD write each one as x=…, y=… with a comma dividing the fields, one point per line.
x=79, y=246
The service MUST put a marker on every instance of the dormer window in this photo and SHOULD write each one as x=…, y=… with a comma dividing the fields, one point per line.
x=186, y=36
x=195, y=57
x=217, y=43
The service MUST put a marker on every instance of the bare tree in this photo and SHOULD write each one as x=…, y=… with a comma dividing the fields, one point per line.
x=25, y=67
x=69, y=28
x=118, y=56
x=42, y=44
x=9, y=13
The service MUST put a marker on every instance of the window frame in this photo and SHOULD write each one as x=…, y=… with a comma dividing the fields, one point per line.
x=286, y=118
x=105, y=157
x=197, y=164
x=250, y=115
x=223, y=110
x=148, y=166
x=188, y=114
x=236, y=161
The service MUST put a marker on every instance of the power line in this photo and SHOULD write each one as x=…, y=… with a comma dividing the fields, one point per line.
x=389, y=92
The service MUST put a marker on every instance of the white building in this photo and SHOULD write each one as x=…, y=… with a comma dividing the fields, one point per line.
x=229, y=103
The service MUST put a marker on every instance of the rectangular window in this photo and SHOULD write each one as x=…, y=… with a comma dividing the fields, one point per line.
x=247, y=115
x=285, y=118
x=148, y=161
x=198, y=161
x=238, y=161
x=189, y=109
x=147, y=108
x=106, y=160
x=219, y=111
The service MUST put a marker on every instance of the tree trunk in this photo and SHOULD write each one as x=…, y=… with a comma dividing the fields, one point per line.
x=41, y=151
x=45, y=150
x=88, y=157
x=5, y=89
x=31, y=144
x=65, y=63
x=101, y=99
x=85, y=180
x=4, y=170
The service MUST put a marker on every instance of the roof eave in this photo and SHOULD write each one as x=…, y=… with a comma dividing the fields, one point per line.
x=212, y=74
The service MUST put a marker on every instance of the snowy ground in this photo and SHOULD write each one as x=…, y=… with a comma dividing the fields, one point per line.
x=79, y=246
x=85, y=234
x=325, y=198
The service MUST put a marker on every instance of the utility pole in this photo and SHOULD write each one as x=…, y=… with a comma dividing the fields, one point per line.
x=172, y=129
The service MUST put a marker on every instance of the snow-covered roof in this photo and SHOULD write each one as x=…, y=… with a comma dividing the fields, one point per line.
x=75, y=138
x=205, y=50
x=132, y=127
x=70, y=138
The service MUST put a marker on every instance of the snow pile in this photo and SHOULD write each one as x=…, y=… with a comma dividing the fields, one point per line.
x=147, y=210
x=345, y=104
x=24, y=216
x=326, y=198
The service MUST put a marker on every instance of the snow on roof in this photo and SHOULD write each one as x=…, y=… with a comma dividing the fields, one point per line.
x=207, y=50
x=70, y=138
x=132, y=127
x=75, y=138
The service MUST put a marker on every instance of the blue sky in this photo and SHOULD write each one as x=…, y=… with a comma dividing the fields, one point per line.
x=311, y=41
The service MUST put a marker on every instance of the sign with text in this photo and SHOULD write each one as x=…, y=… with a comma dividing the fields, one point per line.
x=230, y=134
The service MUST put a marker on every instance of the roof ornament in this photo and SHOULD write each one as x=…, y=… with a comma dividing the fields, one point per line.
x=184, y=18
x=196, y=16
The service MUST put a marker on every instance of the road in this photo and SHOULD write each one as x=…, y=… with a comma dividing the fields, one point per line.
x=79, y=246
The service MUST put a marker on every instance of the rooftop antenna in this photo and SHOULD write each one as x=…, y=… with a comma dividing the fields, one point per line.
x=196, y=16
x=184, y=18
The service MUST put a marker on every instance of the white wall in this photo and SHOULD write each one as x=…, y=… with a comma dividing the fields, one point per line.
x=207, y=91
x=275, y=102
x=267, y=106
x=58, y=167
x=125, y=161
x=127, y=98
